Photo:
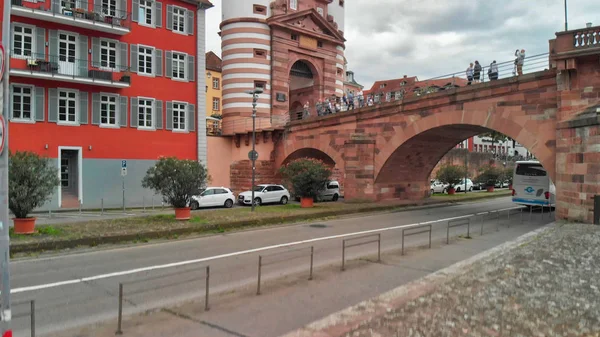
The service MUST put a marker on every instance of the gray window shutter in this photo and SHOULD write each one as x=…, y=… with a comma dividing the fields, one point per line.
x=123, y=111
x=83, y=107
x=83, y=56
x=53, y=43
x=95, y=52
x=158, y=114
x=135, y=8
x=158, y=17
x=56, y=6
x=122, y=56
x=133, y=61
x=169, y=17
x=191, y=68
x=169, y=116
x=52, y=105
x=98, y=6
x=169, y=64
x=122, y=9
x=191, y=117
x=189, y=23
x=134, y=112
x=158, y=64
x=39, y=104
x=40, y=43
x=96, y=108
x=10, y=101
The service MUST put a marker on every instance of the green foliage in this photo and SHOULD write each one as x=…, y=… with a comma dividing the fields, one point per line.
x=507, y=174
x=306, y=177
x=32, y=180
x=490, y=175
x=451, y=174
x=176, y=180
x=496, y=136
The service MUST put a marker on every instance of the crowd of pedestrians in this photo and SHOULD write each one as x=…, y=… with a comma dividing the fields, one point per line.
x=473, y=72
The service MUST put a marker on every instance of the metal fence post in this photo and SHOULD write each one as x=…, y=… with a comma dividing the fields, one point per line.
x=32, y=318
x=343, y=253
x=259, y=272
x=50, y=213
x=430, y=230
x=498, y=221
x=120, y=318
x=102, y=206
x=379, y=247
x=530, y=212
x=153, y=202
x=469, y=228
x=143, y=204
x=206, y=291
x=521, y=214
x=542, y=216
x=482, y=220
x=80, y=203
x=312, y=253
x=403, y=242
x=448, y=233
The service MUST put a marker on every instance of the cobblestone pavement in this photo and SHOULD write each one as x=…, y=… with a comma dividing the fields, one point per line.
x=548, y=285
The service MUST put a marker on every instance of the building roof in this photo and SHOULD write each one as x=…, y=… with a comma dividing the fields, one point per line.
x=213, y=62
x=410, y=84
x=392, y=85
x=202, y=4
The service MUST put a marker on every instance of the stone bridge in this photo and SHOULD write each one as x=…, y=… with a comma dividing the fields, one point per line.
x=389, y=150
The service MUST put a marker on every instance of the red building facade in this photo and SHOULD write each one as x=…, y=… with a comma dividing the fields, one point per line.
x=103, y=86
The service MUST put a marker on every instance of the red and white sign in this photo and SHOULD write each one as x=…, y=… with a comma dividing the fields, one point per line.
x=1, y=62
x=2, y=137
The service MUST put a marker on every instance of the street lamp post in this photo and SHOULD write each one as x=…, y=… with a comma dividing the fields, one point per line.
x=253, y=155
x=566, y=25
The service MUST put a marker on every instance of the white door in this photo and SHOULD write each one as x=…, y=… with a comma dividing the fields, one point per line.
x=270, y=194
x=67, y=53
x=220, y=197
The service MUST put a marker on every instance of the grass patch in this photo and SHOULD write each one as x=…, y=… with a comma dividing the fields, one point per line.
x=471, y=195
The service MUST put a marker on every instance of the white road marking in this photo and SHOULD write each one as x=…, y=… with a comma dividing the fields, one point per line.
x=243, y=252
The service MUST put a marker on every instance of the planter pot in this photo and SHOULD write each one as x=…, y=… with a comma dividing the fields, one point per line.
x=510, y=186
x=490, y=188
x=24, y=226
x=451, y=191
x=183, y=213
x=306, y=202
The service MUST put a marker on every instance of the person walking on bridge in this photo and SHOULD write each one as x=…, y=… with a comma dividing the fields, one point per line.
x=470, y=74
x=493, y=71
x=477, y=72
x=520, y=60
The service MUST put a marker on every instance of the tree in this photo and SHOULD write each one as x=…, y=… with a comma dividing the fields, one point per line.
x=306, y=177
x=176, y=180
x=489, y=175
x=31, y=181
x=451, y=174
x=508, y=175
x=495, y=136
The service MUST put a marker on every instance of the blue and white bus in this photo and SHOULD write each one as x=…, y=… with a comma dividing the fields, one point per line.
x=532, y=185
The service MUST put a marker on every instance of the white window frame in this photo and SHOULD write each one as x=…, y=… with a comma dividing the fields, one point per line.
x=153, y=73
x=152, y=109
x=117, y=112
x=116, y=49
x=185, y=116
x=184, y=18
x=108, y=8
x=142, y=19
x=58, y=121
x=31, y=118
x=218, y=101
x=33, y=42
x=185, y=66
x=294, y=4
x=218, y=82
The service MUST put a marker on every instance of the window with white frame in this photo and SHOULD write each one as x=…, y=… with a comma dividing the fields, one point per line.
x=22, y=41
x=108, y=54
x=145, y=59
x=146, y=12
x=216, y=103
x=216, y=83
x=145, y=113
x=22, y=99
x=109, y=7
x=179, y=120
x=179, y=19
x=67, y=106
x=179, y=64
x=294, y=4
x=108, y=110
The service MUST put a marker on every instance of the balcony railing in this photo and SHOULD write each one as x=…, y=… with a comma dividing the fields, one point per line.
x=65, y=68
x=79, y=12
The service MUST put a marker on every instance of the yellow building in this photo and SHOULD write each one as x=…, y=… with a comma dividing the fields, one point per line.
x=214, y=93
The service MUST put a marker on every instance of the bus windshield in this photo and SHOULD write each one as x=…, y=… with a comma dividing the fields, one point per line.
x=530, y=170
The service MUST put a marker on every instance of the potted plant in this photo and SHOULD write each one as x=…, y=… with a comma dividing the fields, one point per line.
x=306, y=178
x=177, y=180
x=489, y=176
x=126, y=78
x=508, y=176
x=31, y=181
x=451, y=175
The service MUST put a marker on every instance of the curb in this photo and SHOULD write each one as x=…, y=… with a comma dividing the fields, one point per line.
x=344, y=321
x=33, y=247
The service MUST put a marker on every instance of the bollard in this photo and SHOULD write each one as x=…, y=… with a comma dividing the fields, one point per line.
x=498, y=221
x=102, y=206
x=259, y=268
x=379, y=247
x=143, y=204
x=152, y=202
x=343, y=254
x=312, y=253
x=32, y=318
x=482, y=220
x=50, y=213
x=206, y=307
x=120, y=317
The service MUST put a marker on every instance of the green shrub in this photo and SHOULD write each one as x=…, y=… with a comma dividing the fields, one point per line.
x=177, y=180
x=451, y=174
x=31, y=181
x=490, y=175
x=305, y=177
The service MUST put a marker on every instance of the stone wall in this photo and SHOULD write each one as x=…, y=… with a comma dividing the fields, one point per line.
x=476, y=160
x=241, y=174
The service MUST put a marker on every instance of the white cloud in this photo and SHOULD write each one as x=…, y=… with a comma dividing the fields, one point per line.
x=427, y=38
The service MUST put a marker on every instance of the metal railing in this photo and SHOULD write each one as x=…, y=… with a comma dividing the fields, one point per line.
x=66, y=66
x=428, y=230
x=279, y=257
x=373, y=238
x=31, y=314
x=458, y=223
x=245, y=125
x=80, y=10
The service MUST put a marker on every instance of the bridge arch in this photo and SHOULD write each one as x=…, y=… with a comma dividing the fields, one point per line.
x=403, y=165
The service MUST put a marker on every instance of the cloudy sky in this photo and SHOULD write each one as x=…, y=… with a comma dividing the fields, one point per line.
x=427, y=38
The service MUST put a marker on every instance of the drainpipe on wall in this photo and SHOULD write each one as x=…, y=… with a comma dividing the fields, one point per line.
x=201, y=143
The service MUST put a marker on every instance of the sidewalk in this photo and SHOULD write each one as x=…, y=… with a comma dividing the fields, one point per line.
x=544, y=284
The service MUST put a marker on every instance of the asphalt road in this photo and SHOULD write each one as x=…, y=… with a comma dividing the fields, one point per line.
x=81, y=303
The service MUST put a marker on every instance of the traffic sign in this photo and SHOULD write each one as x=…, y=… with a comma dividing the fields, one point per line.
x=2, y=133
x=123, y=163
x=123, y=171
x=253, y=155
x=1, y=62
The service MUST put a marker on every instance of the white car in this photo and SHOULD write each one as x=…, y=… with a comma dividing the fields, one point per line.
x=461, y=186
x=265, y=194
x=438, y=187
x=213, y=197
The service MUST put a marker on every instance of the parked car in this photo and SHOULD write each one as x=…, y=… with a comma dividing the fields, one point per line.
x=331, y=191
x=438, y=187
x=212, y=197
x=479, y=186
x=501, y=184
x=461, y=186
x=265, y=194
